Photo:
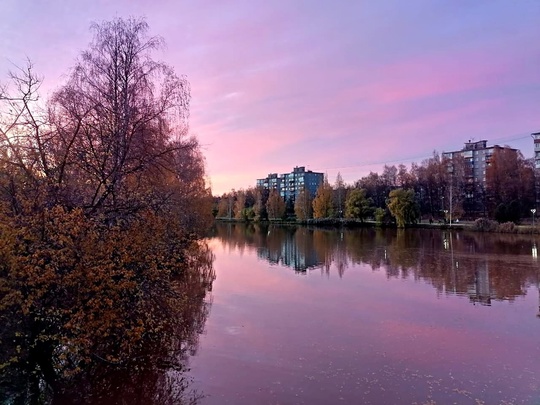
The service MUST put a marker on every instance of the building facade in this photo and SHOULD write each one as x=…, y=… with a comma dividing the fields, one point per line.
x=289, y=185
x=536, y=140
x=477, y=155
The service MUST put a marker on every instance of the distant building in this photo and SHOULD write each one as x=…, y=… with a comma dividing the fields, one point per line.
x=536, y=138
x=272, y=182
x=478, y=156
x=289, y=185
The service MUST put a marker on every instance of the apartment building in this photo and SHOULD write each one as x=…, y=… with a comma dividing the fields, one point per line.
x=478, y=157
x=289, y=185
x=536, y=140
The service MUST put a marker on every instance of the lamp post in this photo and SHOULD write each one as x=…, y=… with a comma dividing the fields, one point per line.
x=533, y=210
x=442, y=206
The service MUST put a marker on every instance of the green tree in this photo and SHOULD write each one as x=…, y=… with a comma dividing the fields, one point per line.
x=403, y=207
x=303, y=205
x=379, y=214
x=323, y=203
x=275, y=206
x=357, y=205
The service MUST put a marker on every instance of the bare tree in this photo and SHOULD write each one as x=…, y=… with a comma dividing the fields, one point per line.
x=303, y=205
x=339, y=195
x=120, y=120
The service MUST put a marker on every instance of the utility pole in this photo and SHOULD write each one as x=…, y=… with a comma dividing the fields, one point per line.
x=451, y=187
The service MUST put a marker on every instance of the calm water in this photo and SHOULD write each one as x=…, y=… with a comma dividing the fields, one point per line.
x=311, y=316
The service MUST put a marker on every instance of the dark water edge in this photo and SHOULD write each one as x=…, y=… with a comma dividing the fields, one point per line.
x=418, y=316
x=470, y=226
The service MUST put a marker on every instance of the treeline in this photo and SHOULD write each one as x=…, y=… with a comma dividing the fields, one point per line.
x=437, y=189
x=102, y=201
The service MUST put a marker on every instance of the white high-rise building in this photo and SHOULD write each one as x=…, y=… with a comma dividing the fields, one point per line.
x=289, y=185
x=536, y=138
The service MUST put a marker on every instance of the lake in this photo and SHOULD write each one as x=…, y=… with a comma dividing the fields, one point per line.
x=370, y=316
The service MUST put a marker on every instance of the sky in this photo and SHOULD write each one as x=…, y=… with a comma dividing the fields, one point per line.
x=335, y=86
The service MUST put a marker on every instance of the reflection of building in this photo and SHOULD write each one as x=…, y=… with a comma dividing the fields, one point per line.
x=480, y=291
x=293, y=251
x=289, y=185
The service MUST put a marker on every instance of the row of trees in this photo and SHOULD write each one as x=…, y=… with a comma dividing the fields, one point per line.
x=436, y=189
x=102, y=196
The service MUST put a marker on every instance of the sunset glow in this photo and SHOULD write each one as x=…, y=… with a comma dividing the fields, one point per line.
x=333, y=86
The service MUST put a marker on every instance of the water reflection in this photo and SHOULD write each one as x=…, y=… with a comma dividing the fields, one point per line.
x=482, y=267
x=36, y=368
x=384, y=317
x=290, y=248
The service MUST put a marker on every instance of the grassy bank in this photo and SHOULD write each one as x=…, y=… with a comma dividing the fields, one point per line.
x=480, y=225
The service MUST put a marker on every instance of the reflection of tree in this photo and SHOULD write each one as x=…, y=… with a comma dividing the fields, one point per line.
x=96, y=313
x=481, y=266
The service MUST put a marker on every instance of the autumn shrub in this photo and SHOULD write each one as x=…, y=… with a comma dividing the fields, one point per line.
x=97, y=292
x=507, y=227
x=485, y=225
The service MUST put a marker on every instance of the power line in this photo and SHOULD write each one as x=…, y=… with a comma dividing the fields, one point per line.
x=509, y=138
x=379, y=163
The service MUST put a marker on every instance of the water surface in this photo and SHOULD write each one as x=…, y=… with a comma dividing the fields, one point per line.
x=323, y=316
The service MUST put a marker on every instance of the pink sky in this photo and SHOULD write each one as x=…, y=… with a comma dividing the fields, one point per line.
x=333, y=86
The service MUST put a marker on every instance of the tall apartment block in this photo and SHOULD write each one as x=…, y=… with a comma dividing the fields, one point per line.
x=289, y=185
x=478, y=155
x=536, y=138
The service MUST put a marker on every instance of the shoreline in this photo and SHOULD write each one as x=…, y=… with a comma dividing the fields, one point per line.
x=348, y=223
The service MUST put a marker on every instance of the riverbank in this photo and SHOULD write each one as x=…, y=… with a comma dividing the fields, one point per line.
x=481, y=225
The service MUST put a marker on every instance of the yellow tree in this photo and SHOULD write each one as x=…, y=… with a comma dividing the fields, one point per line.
x=303, y=205
x=275, y=206
x=323, y=206
x=223, y=207
x=240, y=204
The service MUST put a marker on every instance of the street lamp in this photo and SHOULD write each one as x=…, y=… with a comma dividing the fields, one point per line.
x=445, y=212
x=533, y=210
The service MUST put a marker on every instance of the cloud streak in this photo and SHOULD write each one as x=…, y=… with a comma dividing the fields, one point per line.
x=324, y=85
